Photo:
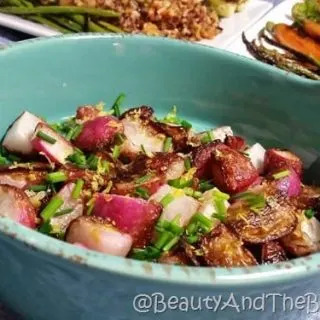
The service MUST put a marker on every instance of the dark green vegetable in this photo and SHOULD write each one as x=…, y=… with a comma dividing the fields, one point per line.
x=52, y=207
x=56, y=177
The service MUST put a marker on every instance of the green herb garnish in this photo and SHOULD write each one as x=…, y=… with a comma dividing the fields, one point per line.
x=77, y=189
x=281, y=174
x=207, y=137
x=56, y=177
x=116, y=152
x=78, y=158
x=167, y=144
x=52, y=207
x=43, y=136
x=142, y=193
x=38, y=188
x=166, y=200
x=309, y=213
x=116, y=105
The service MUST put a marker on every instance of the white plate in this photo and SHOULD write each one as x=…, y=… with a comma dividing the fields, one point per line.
x=241, y=21
x=280, y=13
x=232, y=27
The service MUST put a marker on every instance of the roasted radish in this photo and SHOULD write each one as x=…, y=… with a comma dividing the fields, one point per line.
x=232, y=171
x=15, y=205
x=51, y=144
x=98, y=133
x=96, y=234
x=273, y=252
x=136, y=217
x=19, y=135
x=277, y=159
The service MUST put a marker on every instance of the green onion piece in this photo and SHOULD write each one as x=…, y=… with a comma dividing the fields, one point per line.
x=221, y=208
x=197, y=194
x=103, y=166
x=45, y=228
x=180, y=183
x=13, y=157
x=78, y=158
x=52, y=207
x=56, y=177
x=3, y=160
x=207, y=138
x=193, y=238
x=77, y=189
x=38, y=188
x=116, y=105
x=143, y=149
x=62, y=212
x=309, y=213
x=116, y=152
x=171, y=243
x=203, y=221
x=187, y=163
x=281, y=174
x=217, y=194
x=43, y=136
x=92, y=162
x=192, y=227
x=253, y=199
x=163, y=239
x=221, y=217
x=167, y=144
x=148, y=254
x=205, y=185
x=144, y=179
x=171, y=117
x=119, y=138
x=76, y=132
x=166, y=200
x=185, y=124
x=142, y=193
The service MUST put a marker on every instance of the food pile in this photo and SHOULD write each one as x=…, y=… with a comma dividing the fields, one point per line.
x=299, y=43
x=180, y=19
x=133, y=185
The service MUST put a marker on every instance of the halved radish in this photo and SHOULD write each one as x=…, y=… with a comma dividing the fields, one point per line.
x=130, y=215
x=18, y=136
x=15, y=205
x=98, y=235
x=58, y=150
x=61, y=223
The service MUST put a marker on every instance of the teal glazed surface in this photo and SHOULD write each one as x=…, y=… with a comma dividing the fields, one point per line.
x=42, y=278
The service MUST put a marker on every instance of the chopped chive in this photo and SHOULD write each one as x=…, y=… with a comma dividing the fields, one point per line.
x=144, y=178
x=252, y=199
x=197, y=194
x=171, y=117
x=203, y=220
x=119, y=138
x=43, y=136
x=142, y=192
x=62, y=212
x=13, y=157
x=192, y=227
x=281, y=174
x=221, y=208
x=38, y=188
x=205, y=185
x=3, y=160
x=70, y=133
x=207, y=137
x=116, y=152
x=76, y=132
x=116, y=105
x=186, y=124
x=77, y=189
x=309, y=213
x=167, y=199
x=187, y=163
x=56, y=177
x=103, y=166
x=143, y=149
x=180, y=183
x=163, y=239
x=78, y=158
x=167, y=144
x=171, y=243
x=52, y=207
x=45, y=228
x=193, y=238
x=148, y=254
x=92, y=162
x=217, y=194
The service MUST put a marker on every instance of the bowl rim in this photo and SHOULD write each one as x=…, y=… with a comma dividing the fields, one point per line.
x=283, y=272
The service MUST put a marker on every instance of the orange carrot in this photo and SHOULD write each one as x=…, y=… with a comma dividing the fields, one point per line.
x=312, y=29
x=291, y=39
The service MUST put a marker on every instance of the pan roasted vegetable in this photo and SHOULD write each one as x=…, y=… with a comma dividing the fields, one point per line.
x=133, y=185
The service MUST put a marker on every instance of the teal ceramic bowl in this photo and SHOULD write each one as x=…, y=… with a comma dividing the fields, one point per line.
x=42, y=278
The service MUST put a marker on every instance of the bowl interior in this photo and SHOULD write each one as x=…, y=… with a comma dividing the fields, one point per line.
x=51, y=77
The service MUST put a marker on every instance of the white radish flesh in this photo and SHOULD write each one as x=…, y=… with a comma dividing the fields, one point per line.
x=57, y=151
x=18, y=136
x=96, y=235
x=181, y=205
x=256, y=153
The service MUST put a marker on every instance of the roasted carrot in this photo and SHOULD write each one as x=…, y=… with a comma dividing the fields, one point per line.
x=312, y=29
x=290, y=38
